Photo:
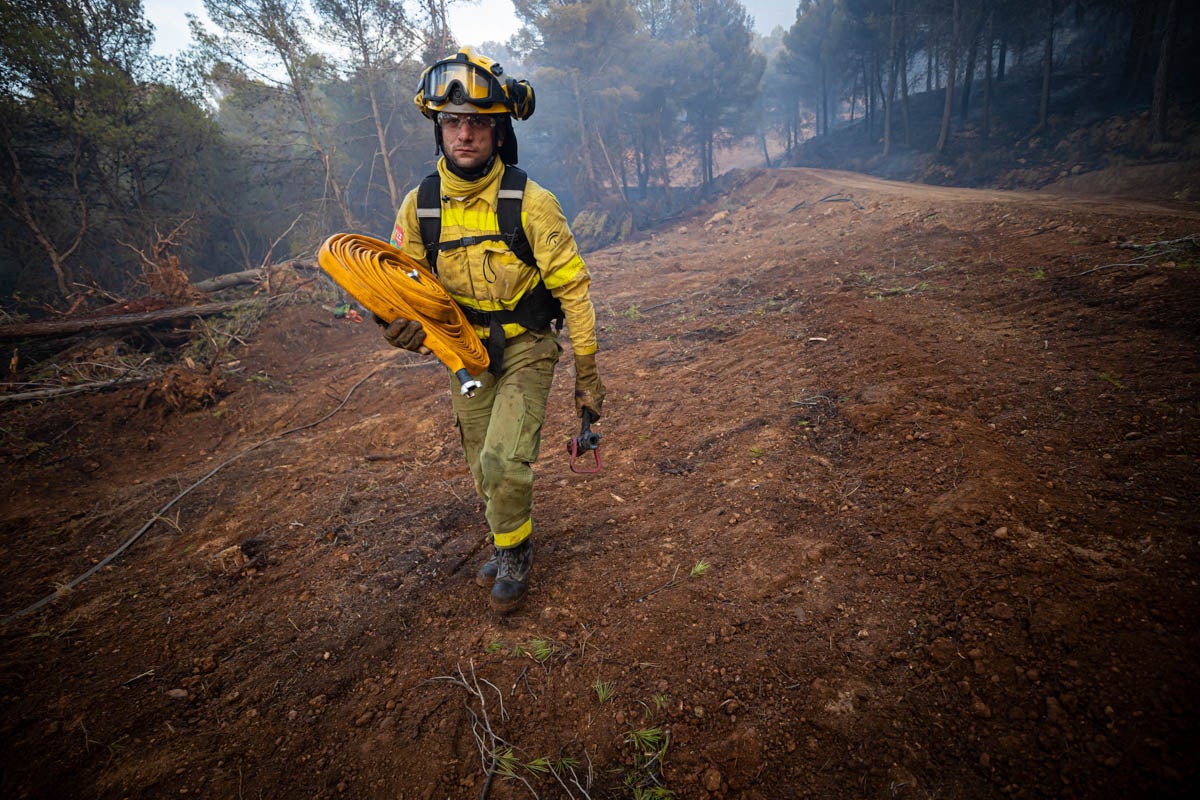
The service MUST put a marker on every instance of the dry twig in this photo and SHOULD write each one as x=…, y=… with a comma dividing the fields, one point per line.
x=496, y=754
x=1152, y=250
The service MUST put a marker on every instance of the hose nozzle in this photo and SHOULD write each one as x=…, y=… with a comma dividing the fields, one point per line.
x=587, y=440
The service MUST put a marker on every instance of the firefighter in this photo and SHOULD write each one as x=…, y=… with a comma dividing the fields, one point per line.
x=501, y=247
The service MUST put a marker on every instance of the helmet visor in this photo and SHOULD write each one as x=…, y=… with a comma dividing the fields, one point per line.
x=478, y=85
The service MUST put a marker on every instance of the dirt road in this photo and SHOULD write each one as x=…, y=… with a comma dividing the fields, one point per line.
x=898, y=499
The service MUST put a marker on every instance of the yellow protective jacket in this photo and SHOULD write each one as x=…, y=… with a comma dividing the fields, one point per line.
x=488, y=276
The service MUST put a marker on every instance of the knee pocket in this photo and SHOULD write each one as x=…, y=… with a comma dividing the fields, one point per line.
x=514, y=435
x=526, y=443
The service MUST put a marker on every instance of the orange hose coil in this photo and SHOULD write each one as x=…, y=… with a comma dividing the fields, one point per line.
x=391, y=284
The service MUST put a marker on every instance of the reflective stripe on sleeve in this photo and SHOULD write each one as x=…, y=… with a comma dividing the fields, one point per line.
x=565, y=274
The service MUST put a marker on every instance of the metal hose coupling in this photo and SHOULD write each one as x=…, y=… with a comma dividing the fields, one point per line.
x=468, y=385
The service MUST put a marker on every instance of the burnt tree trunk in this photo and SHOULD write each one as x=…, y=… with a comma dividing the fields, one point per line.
x=904, y=84
x=1141, y=35
x=987, y=79
x=1047, y=72
x=972, y=54
x=1162, y=76
x=891, y=87
x=948, y=108
x=67, y=327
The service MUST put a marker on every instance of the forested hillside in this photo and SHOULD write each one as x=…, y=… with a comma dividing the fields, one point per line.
x=897, y=500
x=289, y=120
x=896, y=496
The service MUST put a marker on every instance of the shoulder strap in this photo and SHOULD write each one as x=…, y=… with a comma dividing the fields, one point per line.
x=508, y=211
x=429, y=216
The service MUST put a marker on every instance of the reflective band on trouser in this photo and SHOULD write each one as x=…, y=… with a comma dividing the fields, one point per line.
x=513, y=538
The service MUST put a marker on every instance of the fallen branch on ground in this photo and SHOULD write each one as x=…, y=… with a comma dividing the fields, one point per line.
x=63, y=391
x=254, y=275
x=65, y=327
x=228, y=280
x=836, y=197
x=1152, y=250
x=1105, y=266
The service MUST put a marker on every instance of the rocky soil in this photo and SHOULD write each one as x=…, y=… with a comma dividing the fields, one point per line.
x=898, y=499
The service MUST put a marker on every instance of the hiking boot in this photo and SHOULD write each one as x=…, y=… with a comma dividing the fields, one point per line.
x=487, y=573
x=512, y=576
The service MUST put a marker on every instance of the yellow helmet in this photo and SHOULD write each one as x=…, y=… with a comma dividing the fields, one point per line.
x=469, y=83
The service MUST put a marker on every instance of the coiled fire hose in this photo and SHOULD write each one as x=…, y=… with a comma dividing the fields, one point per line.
x=391, y=285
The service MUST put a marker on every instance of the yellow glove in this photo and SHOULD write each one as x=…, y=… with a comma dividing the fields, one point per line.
x=589, y=391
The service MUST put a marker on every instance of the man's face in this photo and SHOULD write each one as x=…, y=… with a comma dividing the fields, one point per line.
x=468, y=139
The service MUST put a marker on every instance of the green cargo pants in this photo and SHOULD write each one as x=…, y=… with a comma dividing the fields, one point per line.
x=501, y=431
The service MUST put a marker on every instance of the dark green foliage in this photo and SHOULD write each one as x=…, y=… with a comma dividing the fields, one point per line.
x=103, y=153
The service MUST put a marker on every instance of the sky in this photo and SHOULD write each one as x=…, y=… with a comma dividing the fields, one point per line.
x=473, y=23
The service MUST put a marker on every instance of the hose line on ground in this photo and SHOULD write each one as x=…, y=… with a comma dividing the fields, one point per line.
x=391, y=285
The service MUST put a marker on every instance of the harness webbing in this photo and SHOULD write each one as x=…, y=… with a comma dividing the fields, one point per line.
x=508, y=213
x=538, y=308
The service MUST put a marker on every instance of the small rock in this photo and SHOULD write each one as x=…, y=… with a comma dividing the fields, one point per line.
x=177, y=694
x=712, y=780
x=1054, y=711
x=229, y=561
x=1001, y=611
x=942, y=650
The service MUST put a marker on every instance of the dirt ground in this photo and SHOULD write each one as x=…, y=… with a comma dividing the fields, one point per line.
x=898, y=499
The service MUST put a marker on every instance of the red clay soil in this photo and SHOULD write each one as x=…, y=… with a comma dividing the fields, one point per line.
x=898, y=500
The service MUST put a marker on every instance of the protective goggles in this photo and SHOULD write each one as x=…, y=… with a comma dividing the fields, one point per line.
x=477, y=85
